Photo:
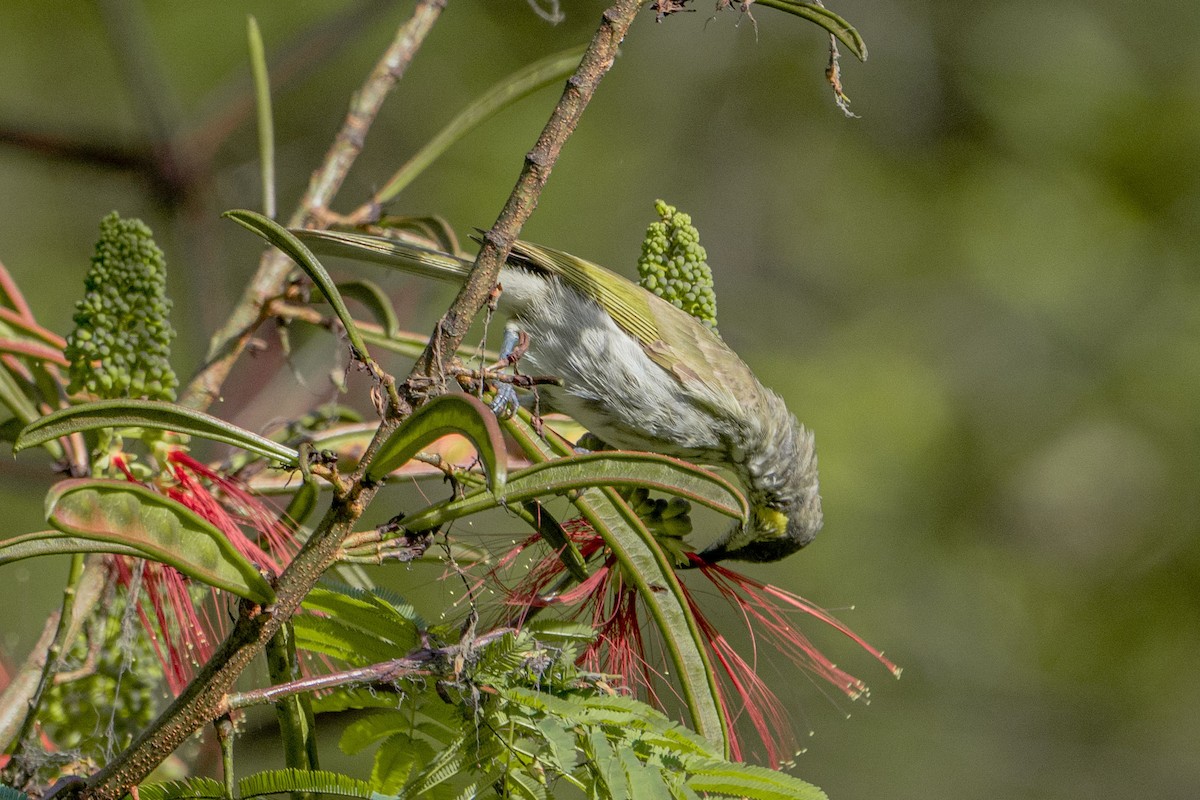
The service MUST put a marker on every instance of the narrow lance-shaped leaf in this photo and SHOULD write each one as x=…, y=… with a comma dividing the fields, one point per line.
x=607, y=468
x=819, y=15
x=22, y=407
x=431, y=228
x=282, y=238
x=442, y=416
x=508, y=91
x=160, y=528
x=647, y=566
x=54, y=543
x=552, y=533
x=375, y=299
x=266, y=123
x=150, y=414
x=302, y=505
x=540, y=449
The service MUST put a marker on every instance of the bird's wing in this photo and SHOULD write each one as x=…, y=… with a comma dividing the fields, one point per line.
x=625, y=302
x=671, y=337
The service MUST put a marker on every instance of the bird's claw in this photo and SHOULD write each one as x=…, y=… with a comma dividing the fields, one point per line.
x=505, y=403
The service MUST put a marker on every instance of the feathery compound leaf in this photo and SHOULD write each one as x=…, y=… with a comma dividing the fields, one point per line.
x=190, y=789
x=371, y=727
x=727, y=779
x=150, y=414
x=356, y=626
x=279, y=781
x=344, y=642
x=444, y=415
x=395, y=759
x=282, y=238
x=160, y=528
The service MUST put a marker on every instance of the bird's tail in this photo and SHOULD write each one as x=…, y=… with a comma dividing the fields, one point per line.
x=388, y=252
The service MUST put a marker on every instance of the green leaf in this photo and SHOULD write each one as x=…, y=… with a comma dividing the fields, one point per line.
x=343, y=699
x=376, y=301
x=189, y=789
x=266, y=123
x=552, y=533
x=150, y=414
x=282, y=238
x=160, y=528
x=280, y=781
x=508, y=91
x=444, y=415
x=13, y=396
x=356, y=626
x=302, y=505
x=819, y=15
x=394, y=761
x=431, y=228
x=9, y=793
x=649, y=568
x=606, y=468
x=53, y=543
x=650, y=571
x=558, y=737
x=387, y=617
x=745, y=780
x=369, y=728
x=645, y=781
x=345, y=642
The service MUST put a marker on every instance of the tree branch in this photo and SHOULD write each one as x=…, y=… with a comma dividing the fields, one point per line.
x=229, y=342
x=453, y=326
x=205, y=698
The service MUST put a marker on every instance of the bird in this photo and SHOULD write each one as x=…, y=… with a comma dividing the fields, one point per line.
x=640, y=374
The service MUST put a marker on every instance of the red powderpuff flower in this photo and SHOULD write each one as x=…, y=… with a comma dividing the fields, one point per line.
x=181, y=628
x=611, y=606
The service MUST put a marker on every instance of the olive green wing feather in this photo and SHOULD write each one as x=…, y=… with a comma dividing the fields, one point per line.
x=625, y=302
x=672, y=338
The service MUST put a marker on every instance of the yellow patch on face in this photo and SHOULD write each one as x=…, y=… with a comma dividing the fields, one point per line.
x=768, y=520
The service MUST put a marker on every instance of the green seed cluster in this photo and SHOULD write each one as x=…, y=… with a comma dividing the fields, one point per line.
x=77, y=714
x=673, y=265
x=664, y=517
x=121, y=345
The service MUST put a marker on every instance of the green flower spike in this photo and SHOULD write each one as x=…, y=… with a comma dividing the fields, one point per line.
x=673, y=265
x=121, y=344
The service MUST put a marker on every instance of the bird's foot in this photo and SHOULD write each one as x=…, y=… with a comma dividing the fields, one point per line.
x=505, y=403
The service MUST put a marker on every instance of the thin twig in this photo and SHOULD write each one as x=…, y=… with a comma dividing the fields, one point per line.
x=422, y=663
x=274, y=268
x=205, y=696
x=200, y=701
x=497, y=242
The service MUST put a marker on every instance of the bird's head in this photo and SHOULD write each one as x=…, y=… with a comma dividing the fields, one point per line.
x=780, y=472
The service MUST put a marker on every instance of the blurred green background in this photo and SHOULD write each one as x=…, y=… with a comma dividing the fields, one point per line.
x=978, y=294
